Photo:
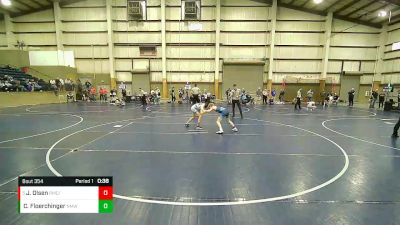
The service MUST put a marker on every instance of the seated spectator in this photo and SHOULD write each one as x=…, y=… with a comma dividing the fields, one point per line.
x=335, y=99
x=113, y=97
x=88, y=84
x=246, y=98
x=311, y=105
x=70, y=97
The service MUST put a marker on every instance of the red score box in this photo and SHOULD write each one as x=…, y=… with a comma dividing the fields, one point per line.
x=105, y=193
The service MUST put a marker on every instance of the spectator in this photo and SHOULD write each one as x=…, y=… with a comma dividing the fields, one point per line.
x=351, y=97
x=273, y=94
x=123, y=91
x=143, y=96
x=335, y=99
x=61, y=84
x=259, y=94
x=236, y=101
x=195, y=94
x=93, y=93
x=265, y=96
x=105, y=92
x=88, y=85
x=173, y=96
x=158, y=93
x=310, y=95
x=113, y=96
x=298, y=100
x=180, y=95
x=101, y=93
x=381, y=99
x=326, y=100
x=58, y=84
x=374, y=97
x=282, y=96
x=322, y=96
x=70, y=97
x=227, y=94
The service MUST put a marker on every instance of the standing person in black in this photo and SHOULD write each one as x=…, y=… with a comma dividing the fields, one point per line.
x=173, y=96
x=381, y=100
x=227, y=93
x=374, y=98
x=396, y=129
x=124, y=95
x=236, y=101
x=281, y=96
x=195, y=94
x=298, y=100
x=351, y=97
x=265, y=96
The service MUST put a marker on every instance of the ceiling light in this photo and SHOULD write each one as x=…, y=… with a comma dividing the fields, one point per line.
x=382, y=13
x=6, y=2
x=318, y=1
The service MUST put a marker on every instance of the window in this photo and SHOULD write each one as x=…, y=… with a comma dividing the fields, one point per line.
x=136, y=9
x=191, y=9
x=148, y=51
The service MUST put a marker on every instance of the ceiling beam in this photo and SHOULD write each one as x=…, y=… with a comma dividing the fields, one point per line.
x=31, y=11
x=394, y=2
x=24, y=4
x=346, y=6
x=38, y=3
x=323, y=13
x=372, y=12
x=46, y=7
x=330, y=6
x=362, y=22
x=394, y=19
x=362, y=7
x=312, y=11
x=304, y=3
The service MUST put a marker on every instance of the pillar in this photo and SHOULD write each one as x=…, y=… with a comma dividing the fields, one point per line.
x=58, y=24
x=217, y=48
x=269, y=85
x=110, y=41
x=327, y=44
x=380, y=55
x=9, y=31
x=164, y=52
x=272, y=45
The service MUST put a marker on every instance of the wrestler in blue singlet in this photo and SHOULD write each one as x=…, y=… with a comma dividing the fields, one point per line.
x=223, y=112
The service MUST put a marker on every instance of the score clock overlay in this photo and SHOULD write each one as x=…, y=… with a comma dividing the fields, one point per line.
x=65, y=194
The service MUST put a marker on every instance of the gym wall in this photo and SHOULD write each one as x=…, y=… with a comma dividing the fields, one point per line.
x=245, y=35
x=391, y=73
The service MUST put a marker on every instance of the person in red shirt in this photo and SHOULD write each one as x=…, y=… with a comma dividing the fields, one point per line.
x=105, y=94
x=93, y=94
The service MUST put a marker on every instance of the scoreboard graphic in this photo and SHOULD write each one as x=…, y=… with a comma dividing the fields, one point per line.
x=65, y=194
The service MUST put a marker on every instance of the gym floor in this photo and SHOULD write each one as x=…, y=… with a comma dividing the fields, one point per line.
x=333, y=166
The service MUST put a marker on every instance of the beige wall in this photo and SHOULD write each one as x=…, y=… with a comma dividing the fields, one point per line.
x=245, y=34
x=13, y=99
x=391, y=71
x=53, y=72
x=14, y=58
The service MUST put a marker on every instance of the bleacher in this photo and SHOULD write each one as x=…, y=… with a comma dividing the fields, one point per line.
x=13, y=79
